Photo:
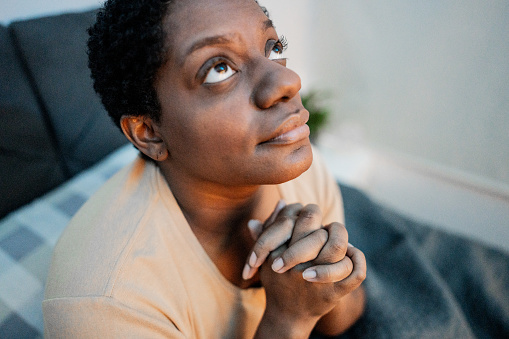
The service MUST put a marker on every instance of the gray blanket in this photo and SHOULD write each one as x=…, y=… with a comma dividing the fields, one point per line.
x=422, y=282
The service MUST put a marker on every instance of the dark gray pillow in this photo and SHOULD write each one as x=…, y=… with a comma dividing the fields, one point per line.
x=55, y=51
x=29, y=163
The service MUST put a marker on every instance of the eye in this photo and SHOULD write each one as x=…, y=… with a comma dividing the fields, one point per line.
x=218, y=73
x=277, y=52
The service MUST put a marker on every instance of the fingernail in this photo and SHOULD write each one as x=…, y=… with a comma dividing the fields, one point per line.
x=252, y=259
x=277, y=264
x=246, y=272
x=350, y=245
x=309, y=275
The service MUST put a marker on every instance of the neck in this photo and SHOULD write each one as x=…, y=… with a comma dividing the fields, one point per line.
x=218, y=216
x=211, y=208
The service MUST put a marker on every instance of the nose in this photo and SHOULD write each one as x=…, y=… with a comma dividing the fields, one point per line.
x=276, y=84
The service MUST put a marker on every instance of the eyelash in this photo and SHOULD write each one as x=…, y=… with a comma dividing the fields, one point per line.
x=283, y=42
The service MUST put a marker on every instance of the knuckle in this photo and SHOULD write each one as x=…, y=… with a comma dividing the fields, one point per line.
x=341, y=230
x=285, y=220
x=310, y=211
x=340, y=288
x=348, y=265
x=330, y=298
x=296, y=205
x=338, y=247
x=289, y=256
x=322, y=235
x=361, y=275
x=305, y=214
x=337, y=227
x=314, y=207
x=261, y=244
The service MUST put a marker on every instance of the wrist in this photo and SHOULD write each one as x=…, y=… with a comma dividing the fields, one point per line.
x=275, y=324
x=344, y=315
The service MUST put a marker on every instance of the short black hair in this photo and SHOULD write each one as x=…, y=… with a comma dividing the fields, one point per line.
x=125, y=51
x=126, y=48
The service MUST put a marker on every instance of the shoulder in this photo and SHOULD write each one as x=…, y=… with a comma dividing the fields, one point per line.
x=93, y=244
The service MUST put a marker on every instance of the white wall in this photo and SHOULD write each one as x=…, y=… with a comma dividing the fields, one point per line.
x=425, y=79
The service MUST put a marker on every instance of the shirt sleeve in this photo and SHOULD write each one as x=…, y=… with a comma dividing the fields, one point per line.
x=102, y=317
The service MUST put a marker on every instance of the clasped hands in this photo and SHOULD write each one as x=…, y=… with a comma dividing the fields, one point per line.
x=303, y=263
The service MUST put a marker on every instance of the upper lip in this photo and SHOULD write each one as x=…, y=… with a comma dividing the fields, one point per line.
x=295, y=120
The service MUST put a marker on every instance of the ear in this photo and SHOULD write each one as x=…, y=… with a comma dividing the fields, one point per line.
x=142, y=133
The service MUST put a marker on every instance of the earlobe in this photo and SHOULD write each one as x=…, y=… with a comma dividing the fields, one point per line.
x=141, y=133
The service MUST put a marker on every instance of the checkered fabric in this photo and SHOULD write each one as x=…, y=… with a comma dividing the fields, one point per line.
x=27, y=237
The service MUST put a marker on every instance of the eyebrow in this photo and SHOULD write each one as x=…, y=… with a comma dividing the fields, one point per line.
x=221, y=39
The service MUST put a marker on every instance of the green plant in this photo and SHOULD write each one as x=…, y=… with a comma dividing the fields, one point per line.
x=318, y=112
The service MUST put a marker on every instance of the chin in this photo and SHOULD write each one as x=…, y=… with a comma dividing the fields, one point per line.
x=293, y=165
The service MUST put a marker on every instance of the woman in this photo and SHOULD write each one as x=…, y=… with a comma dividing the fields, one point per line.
x=186, y=242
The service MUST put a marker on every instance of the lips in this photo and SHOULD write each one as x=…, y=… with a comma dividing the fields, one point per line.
x=292, y=130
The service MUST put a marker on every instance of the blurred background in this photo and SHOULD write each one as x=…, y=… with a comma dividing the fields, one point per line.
x=418, y=95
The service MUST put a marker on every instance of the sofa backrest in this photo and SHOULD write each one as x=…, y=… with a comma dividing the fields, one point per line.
x=29, y=162
x=53, y=123
x=54, y=49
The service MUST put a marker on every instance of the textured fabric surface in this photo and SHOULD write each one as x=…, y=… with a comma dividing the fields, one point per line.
x=54, y=49
x=421, y=283
x=28, y=161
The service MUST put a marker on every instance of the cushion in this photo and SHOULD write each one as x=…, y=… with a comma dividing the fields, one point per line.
x=54, y=49
x=27, y=238
x=28, y=158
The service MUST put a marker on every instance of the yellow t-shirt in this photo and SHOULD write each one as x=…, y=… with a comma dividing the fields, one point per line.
x=129, y=266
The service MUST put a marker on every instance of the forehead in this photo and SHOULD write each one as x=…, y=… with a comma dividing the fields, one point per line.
x=193, y=20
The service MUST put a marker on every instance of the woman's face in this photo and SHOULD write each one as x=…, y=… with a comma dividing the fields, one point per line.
x=231, y=111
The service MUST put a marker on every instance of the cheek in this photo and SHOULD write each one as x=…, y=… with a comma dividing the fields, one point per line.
x=214, y=129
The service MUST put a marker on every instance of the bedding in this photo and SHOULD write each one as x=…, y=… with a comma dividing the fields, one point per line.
x=421, y=282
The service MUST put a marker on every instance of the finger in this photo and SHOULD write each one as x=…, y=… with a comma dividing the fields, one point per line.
x=308, y=221
x=329, y=273
x=291, y=211
x=279, y=206
x=336, y=247
x=255, y=228
x=304, y=250
x=276, y=234
x=359, y=267
x=270, y=239
x=358, y=274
